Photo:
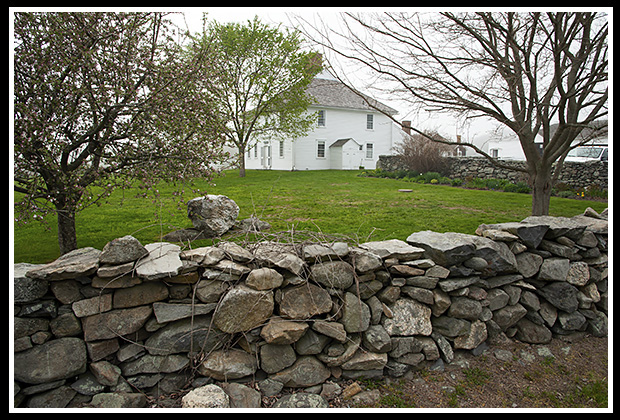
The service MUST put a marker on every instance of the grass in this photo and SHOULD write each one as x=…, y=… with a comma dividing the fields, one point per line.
x=333, y=202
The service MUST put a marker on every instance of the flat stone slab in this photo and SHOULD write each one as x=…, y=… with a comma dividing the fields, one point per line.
x=163, y=261
x=445, y=249
x=393, y=248
x=74, y=264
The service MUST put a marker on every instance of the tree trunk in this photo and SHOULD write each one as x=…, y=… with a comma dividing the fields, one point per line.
x=241, y=162
x=67, y=237
x=541, y=192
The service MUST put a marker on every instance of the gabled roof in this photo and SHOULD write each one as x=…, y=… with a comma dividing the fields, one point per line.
x=333, y=93
x=342, y=142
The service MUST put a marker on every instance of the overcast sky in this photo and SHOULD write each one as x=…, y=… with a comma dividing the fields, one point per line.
x=448, y=126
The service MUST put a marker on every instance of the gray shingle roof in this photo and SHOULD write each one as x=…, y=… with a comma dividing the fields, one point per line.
x=333, y=93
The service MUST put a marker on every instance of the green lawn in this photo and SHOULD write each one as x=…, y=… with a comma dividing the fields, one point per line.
x=332, y=202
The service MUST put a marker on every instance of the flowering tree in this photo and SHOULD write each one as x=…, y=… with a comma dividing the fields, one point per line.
x=102, y=100
x=259, y=80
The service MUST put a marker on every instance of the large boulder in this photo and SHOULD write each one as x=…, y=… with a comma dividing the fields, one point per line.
x=213, y=215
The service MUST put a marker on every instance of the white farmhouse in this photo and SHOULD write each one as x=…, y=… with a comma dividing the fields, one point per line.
x=349, y=133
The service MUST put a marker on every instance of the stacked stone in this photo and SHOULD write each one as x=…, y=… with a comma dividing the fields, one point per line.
x=575, y=174
x=104, y=328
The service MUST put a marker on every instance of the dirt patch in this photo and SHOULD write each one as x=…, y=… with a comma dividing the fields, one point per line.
x=568, y=372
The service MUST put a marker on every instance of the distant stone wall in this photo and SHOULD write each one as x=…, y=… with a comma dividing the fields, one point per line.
x=109, y=328
x=575, y=174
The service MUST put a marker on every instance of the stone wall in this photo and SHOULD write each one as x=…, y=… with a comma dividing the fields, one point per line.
x=109, y=328
x=575, y=174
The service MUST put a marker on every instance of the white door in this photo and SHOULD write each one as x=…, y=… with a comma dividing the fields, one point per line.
x=265, y=156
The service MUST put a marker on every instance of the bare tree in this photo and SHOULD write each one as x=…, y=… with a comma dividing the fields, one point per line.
x=527, y=71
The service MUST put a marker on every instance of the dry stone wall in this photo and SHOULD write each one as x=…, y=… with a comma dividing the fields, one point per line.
x=107, y=328
x=574, y=174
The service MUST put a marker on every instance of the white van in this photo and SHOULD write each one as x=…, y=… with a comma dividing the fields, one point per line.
x=588, y=153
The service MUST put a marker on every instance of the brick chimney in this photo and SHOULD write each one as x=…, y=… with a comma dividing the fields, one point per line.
x=407, y=127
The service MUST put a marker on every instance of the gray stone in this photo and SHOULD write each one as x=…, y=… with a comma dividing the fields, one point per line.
x=578, y=274
x=561, y=295
x=242, y=396
x=317, y=252
x=571, y=321
x=497, y=254
x=92, y=306
x=87, y=385
x=393, y=248
x=530, y=332
x=445, y=249
x=450, y=327
x=376, y=339
x=150, y=363
x=105, y=372
x=301, y=400
x=208, y=396
x=281, y=331
x=224, y=365
x=530, y=233
x=452, y=284
x=236, y=252
x=306, y=371
x=243, y=309
x=445, y=349
x=274, y=254
x=264, y=279
x=118, y=400
x=558, y=226
x=77, y=263
x=66, y=325
x=477, y=335
x=330, y=329
x=528, y=264
x=465, y=308
x=23, y=327
x=333, y=274
x=56, y=359
x=558, y=249
x=210, y=291
x=554, y=269
x=497, y=299
x=142, y=294
x=115, y=323
x=163, y=261
x=187, y=335
x=409, y=318
x=167, y=312
x=311, y=343
x=213, y=215
x=56, y=398
x=204, y=256
x=366, y=360
x=304, y=301
x=365, y=261
x=355, y=314
x=274, y=358
x=509, y=315
x=26, y=289
x=122, y=250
